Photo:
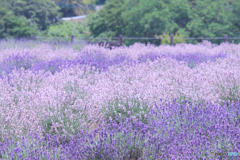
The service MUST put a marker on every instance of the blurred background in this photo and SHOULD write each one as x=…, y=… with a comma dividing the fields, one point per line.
x=145, y=21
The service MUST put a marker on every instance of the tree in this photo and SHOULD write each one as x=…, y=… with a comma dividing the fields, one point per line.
x=165, y=38
x=210, y=18
x=71, y=8
x=14, y=26
x=43, y=13
x=99, y=2
x=141, y=18
x=19, y=27
x=235, y=7
x=66, y=29
x=3, y=15
x=108, y=21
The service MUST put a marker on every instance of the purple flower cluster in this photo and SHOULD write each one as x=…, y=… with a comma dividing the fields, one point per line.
x=194, y=59
x=113, y=141
x=96, y=60
x=149, y=56
x=184, y=131
x=190, y=59
x=53, y=66
x=31, y=147
x=173, y=131
x=18, y=61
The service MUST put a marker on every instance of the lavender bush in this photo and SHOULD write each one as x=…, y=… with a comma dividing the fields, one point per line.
x=195, y=131
x=175, y=131
x=191, y=59
x=28, y=147
x=53, y=66
x=127, y=108
x=18, y=61
x=197, y=58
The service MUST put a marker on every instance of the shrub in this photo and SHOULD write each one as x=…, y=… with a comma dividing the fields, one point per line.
x=165, y=38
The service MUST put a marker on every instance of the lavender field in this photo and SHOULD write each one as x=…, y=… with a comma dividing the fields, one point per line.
x=141, y=102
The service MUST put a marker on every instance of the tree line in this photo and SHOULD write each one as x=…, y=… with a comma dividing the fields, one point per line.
x=156, y=18
x=22, y=18
x=131, y=18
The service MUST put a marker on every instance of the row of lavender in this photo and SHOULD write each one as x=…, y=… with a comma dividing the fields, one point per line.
x=172, y=131
x=96, y=59
x=57, y=92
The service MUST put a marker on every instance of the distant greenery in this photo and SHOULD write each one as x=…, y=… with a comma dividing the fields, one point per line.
x=165, y=38
x=14, y=26
x=66, y=29
x=108, y=21
x=71, y=8
x=42, y=13
x=131, y=18
x=23, y=18
x=190, y=18
x=99, y=2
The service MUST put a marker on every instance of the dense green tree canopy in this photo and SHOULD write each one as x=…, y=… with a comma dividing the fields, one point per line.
x=66, y=29
x=75, y=7
x=21, y=18
x=40, y=12
x=141, y=18
x=100, y=2
x=3, y=15
x=14, y=26
x=108, y=21
x=210, y=18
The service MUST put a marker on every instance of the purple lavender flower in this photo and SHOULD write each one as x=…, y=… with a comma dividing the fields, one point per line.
x=18, y=61
x=150, y=56
x=190, y=59
x=53, y=66
x=194, y=59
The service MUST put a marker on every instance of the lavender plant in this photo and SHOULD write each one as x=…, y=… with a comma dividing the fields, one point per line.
x=125, y=108
x=191, y=59
x=53, y=66
x=192, y=131
x=29, y=147
x=197, y=58
x=113, y=141
x=174, y=131
x=64, y=122
x=230, y=94
x=18, y=61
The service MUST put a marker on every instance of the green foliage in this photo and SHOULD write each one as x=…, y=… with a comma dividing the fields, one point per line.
x=165, y=38
x=108, y=21
x=66, y=29
x=19, y=27
x=4, y=14
x=71, y=8
x=99, y=2
x=43, y=13
x=210, y=18
x=141, y=18
x=14, y=26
